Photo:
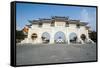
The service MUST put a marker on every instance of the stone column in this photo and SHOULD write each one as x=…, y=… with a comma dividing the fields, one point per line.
x=67, y=37
x=68, y=40
x=78, y=35
x=87, y=36
x=29, y=35
x=52, y=37
x=88, y=39
x=39, y=39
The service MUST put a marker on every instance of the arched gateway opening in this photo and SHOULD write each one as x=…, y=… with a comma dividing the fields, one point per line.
x=83, y=37
x=34, y=36
x=59, y=37
x=73, y=38
x=45, y=37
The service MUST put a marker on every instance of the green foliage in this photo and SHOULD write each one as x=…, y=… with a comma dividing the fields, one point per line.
x=93, y=36
x=20, y=35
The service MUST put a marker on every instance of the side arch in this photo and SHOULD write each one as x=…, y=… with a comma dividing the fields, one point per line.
x=83, y=37
x=45, y=37
x=73, y=37
x=34, y=36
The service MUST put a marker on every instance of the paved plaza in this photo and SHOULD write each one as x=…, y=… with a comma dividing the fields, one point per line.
x=54, y=53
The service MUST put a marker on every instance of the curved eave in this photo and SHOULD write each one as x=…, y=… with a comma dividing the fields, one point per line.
x=73, y=21
x=29, y=25
x=34, y=21
x=45, y=20
x=60, y=17
x=87, y=27
x=83, y=23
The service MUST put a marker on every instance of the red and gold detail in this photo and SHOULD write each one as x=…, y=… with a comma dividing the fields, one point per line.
x=26, y=29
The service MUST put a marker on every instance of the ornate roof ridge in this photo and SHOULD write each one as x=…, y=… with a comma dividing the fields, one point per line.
x=57, y=18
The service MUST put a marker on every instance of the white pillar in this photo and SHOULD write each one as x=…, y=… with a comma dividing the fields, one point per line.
x=88, y=39
x=66, y=32
x=29, y=39
x=87, y=36
x=52, y=37
x=51, y=41
x=39, y=39
x=78, y=35
x=80, y=40
x=68, y=39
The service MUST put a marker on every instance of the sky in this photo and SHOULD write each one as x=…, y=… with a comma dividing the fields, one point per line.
x=28, y=11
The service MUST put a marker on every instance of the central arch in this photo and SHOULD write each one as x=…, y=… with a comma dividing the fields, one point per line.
x=73, y=37
x=59, y=37
x=45, y=37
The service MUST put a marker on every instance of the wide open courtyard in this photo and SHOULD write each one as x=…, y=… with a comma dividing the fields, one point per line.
x=27, y=54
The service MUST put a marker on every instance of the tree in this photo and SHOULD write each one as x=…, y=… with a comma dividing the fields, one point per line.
x=20, y=35
x=93, y=36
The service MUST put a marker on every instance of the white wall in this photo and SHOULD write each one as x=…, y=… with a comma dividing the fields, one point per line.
x=5, y=34
x=46, y=25
x=59, y=26
x=34, y=26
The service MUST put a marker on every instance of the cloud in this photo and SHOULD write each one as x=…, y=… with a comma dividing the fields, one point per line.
x=89, y=17
x=85, y=16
